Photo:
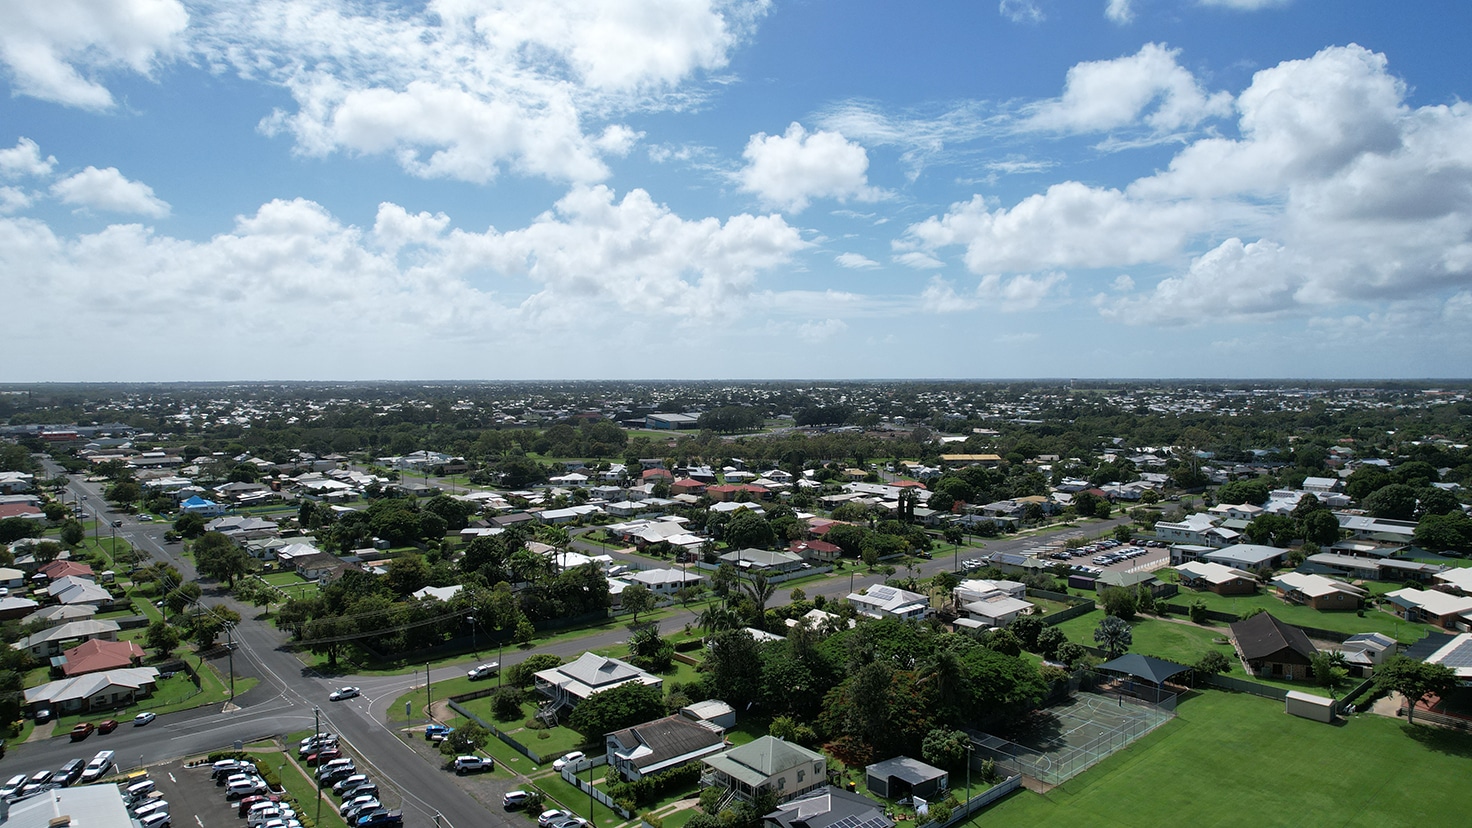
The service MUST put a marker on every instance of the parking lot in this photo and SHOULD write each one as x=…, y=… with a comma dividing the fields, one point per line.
x=1099, y=557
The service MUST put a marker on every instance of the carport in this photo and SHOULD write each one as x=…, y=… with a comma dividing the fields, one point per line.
x=1154, y=670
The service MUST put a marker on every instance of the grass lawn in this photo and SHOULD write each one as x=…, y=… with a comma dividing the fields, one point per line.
x=1181, y=643
x=173, y=694
x=300, y=783
x=1233, y=759
x=1374, y=620
x=574, y=800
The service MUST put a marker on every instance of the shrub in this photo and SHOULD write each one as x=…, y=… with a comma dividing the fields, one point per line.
x=1198, y=611
x=506, y=704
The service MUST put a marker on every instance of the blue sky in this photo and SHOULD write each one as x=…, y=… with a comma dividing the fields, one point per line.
x=467, y=189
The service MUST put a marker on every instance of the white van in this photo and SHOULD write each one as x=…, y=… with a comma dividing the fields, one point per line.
x=98, y=767
x=138, y=790
x=155, y=806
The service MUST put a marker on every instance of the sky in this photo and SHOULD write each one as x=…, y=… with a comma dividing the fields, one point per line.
x=735, y=189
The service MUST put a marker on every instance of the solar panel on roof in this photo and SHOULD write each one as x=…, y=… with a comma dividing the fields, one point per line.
x=1461, y=656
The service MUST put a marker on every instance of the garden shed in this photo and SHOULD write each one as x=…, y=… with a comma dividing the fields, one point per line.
x=902, y=776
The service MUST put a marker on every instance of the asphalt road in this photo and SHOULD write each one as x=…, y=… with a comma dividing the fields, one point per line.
x=292, y=697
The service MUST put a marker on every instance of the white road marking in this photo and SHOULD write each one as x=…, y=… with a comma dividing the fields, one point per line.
x=199, y=821
x=172, y=779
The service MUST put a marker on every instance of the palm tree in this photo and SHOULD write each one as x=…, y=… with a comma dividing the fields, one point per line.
x=1115, y=635
x=718, y=617
x=760, y=591
x=943, y=676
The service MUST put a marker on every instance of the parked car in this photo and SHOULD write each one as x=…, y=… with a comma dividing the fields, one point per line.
x=359, y=805
x=335, y=765
x=568, y=759
x=315, y=737
x=236, y=790
x=334, y=774
x=473, y=764
x=343, y=694
x=547, y=818
x=98, y=767
x=383, y=820
x=82, y=730
x=484, y=670
x=226, y=768
x=244, y=805
x=316, y=744
x=364, y=789
x=66, y=774
x=158, y=819
x=437, y=732
x=349, y=782
x=107, y=725
x=326, y=754
x=12, y=786
x=515, y=800
x=143, y=718
x=38, y=781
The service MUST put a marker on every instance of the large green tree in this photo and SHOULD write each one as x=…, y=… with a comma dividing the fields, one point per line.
x=620, y=707
x=217, y=556
x=1414, y=680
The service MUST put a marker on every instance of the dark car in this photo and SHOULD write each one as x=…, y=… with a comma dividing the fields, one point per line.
x=245, y=803
x=70, y=772
x=381, y=820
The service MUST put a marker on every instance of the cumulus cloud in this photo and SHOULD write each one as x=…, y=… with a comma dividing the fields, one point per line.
x=1009, y=294
x=1109, y=94
x=13, y=200
x=789, y=170
x=109, y=191
x=465, y=89
x=57, y=50
x=855, y=261
x=1334, y=191
x=294, y=275
x=1069, y=225
x=1119, y=11
x=24, y=159
x=816, y=331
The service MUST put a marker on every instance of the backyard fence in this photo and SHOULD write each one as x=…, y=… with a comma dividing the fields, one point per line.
x=496, y=731
x=980, y=802
x=570, y=775
x=1243, y=686
x=1455, y=722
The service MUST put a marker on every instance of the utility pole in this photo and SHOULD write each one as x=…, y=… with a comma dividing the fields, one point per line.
x=428, y=693
x=317, y=728
x=230, y=652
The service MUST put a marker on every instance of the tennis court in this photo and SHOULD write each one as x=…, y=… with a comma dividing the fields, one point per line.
x=1056, y=743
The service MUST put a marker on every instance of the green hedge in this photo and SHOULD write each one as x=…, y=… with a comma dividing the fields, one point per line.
x=633, y=795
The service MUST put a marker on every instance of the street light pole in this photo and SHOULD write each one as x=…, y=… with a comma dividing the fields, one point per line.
x=230, y=651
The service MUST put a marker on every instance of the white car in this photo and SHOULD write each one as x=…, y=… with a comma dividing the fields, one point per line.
x=484, y=671
x=13, y=786
x=569, y=759
x=343, y=694
x=549, y=818
x=143, y=718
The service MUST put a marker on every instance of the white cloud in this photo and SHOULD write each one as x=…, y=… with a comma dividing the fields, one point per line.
x=814, y=332
x=291, y=276
x=1070, y=225
x=13, y=200
x=1110, y=94
x=24, y=159
x=790, y=170
x=855, y=261
x=1119, y=11
x=919, y=261
x=468, y=88
x=1123, y=283
x=1022, y=11
x=1245, y=5
x=921, y=139
x=1017, y=293
x=1334, y=192
x=56, y=49
x=108, y=190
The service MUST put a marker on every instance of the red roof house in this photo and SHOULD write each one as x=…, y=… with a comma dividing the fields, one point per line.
x=96, y=655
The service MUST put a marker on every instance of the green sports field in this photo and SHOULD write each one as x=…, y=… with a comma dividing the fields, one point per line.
x=1236, y=760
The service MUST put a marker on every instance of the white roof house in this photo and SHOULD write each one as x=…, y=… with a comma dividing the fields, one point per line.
x=1211, y=573
x=1314, y=586
x=998, y=611
x=1456, y=579
x=1432, y=606
x=438, y=593
x=104, y=688
x=880, y=601
x=570, y=683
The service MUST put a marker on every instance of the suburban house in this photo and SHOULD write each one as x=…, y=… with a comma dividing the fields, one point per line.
x=1318, y=592
x=1430, y=606
x=13, y=607
x=94, y=691
x=75, y=589
x=1273, y=649
x=1365, y=650
x=785, y=769
x=1373, y=568
x=664, y=582
x=320, y=567
x=1457, y=581
x=200, y=506
x=880, y=601
x=437, y=593
x=568, y=684
x=62, y=568
x=48, y=642
x=711, y=713
x=1215, y=577
x=815, y=550
x=1452, y=651
x=763, y=560
x=648, y=748
x=96, y=655
x=58, y=614
x=986, y=603
x=829, y=808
